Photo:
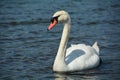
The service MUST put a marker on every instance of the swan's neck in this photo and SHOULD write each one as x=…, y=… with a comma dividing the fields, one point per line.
x=63, y=42
x=59, y=64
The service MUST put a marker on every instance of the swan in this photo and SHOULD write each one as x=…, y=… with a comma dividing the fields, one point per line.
x=77, y=57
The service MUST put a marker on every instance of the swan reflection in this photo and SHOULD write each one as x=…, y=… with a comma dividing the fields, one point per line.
x=60, y=76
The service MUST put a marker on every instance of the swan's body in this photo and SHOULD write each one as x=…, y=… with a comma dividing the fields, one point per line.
x=77, y=57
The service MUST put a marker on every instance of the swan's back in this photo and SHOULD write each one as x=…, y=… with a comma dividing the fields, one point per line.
x=81, y=57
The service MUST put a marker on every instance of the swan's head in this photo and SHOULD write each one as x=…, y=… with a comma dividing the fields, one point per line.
x=59, y=16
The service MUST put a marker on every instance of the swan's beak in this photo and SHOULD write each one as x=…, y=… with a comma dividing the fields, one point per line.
x=52, y=24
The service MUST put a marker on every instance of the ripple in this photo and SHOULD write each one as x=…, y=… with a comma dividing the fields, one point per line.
x=31, y=22
x=99, y=9
x=115, y=6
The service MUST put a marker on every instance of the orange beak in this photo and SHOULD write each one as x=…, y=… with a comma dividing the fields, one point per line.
x=52, y=24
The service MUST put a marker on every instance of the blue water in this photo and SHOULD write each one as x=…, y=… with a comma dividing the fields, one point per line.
x=27, y=49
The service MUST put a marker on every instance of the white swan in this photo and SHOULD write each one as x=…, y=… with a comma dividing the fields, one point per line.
x=77, y=57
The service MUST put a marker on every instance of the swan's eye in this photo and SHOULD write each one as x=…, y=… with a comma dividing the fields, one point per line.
x=56, y=18
x=52, y=20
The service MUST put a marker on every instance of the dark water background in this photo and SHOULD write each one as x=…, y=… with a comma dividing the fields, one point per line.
x=27, y=49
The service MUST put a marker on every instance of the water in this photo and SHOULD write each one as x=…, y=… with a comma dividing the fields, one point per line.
x=27, y=49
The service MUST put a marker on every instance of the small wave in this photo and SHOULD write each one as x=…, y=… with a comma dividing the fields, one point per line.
x=38, y=21
x=115, y=6
x=99, y=9
x=93, y=23
x=115, y=21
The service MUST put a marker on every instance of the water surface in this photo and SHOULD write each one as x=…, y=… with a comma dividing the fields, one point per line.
x=27, y=49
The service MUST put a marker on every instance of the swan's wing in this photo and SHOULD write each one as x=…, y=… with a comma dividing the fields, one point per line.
x=79, y=48
x=73, y=53
x=81, y=56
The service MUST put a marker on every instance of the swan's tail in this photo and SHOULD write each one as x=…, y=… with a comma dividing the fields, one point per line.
x=95, y=46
